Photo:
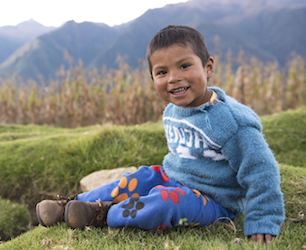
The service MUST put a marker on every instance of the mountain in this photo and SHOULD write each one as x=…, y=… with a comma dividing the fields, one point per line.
x=134, y=40
x=45, y=54
x=277, y=33
x=283, y=3
x=269, y=33
x=267, y=29
x=13, y=37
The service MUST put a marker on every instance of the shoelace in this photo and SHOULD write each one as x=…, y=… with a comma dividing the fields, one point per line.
x=100, y=216
x=66, y=199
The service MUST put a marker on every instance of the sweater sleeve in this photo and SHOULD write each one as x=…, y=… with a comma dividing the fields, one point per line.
x=258, y=174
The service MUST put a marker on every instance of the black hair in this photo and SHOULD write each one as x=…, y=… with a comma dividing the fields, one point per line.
x=178, y=34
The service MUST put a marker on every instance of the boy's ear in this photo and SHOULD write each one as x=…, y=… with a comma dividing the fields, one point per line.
x=210, y=67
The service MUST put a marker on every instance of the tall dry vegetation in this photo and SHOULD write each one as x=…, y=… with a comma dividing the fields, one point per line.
x=125, y=96
x=263, y=87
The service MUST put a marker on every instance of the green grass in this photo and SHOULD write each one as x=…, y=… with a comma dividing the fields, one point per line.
x=14, y=219
x=38, y=162
x=41, y=161
x=219, y=236
x=286, y=134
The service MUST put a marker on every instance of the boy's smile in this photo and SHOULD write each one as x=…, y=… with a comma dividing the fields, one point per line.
x=180, y=77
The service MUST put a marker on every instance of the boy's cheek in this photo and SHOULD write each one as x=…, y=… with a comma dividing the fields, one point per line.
x=159, y=86
x=163, y=94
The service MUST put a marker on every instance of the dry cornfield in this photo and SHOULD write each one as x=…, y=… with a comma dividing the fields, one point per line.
x=126, y=97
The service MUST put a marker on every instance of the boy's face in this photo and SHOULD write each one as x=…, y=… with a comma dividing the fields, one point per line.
x=180, y=77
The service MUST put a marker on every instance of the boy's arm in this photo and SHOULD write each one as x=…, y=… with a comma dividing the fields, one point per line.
x=258, y=173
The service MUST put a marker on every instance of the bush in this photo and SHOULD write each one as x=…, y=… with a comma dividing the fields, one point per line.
x=14, y=219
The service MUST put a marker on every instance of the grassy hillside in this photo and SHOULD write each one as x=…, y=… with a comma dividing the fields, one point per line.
x=218, y=236
x=286, y=134
x=47, y=161
x=39, y=162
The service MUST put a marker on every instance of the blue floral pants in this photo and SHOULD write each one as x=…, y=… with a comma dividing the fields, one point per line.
x=148, y=199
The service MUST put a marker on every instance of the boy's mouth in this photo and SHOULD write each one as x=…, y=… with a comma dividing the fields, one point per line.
x=179, y=91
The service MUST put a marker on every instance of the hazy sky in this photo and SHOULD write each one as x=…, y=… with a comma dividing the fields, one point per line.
x=57, y=12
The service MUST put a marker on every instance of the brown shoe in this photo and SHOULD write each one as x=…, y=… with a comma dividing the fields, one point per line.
x=79, y=214
x=50, y=212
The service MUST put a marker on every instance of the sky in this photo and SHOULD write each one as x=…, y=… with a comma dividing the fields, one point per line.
x=57, y=12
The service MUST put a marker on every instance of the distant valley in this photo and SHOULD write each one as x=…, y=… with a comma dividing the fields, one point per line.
x=267, y=29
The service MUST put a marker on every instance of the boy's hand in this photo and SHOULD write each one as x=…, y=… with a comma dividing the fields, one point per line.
x=261, y=237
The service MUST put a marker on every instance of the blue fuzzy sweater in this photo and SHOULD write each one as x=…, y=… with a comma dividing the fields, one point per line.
x=219, y=149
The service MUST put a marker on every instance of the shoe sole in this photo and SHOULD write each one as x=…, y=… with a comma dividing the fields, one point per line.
x=38, y=217
x=66, y=215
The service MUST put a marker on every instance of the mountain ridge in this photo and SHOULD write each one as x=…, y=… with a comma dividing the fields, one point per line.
x=267, y=29
x=13, y=37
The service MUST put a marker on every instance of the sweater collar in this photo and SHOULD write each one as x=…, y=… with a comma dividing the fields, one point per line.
x=189, y=111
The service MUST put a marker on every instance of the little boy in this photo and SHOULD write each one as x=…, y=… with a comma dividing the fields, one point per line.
x=218, y=166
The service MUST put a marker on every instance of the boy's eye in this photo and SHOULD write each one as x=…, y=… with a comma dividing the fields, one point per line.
x=184, y=66
x=162, y=72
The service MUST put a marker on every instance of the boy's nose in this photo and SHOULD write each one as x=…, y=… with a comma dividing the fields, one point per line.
x=174, y=76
